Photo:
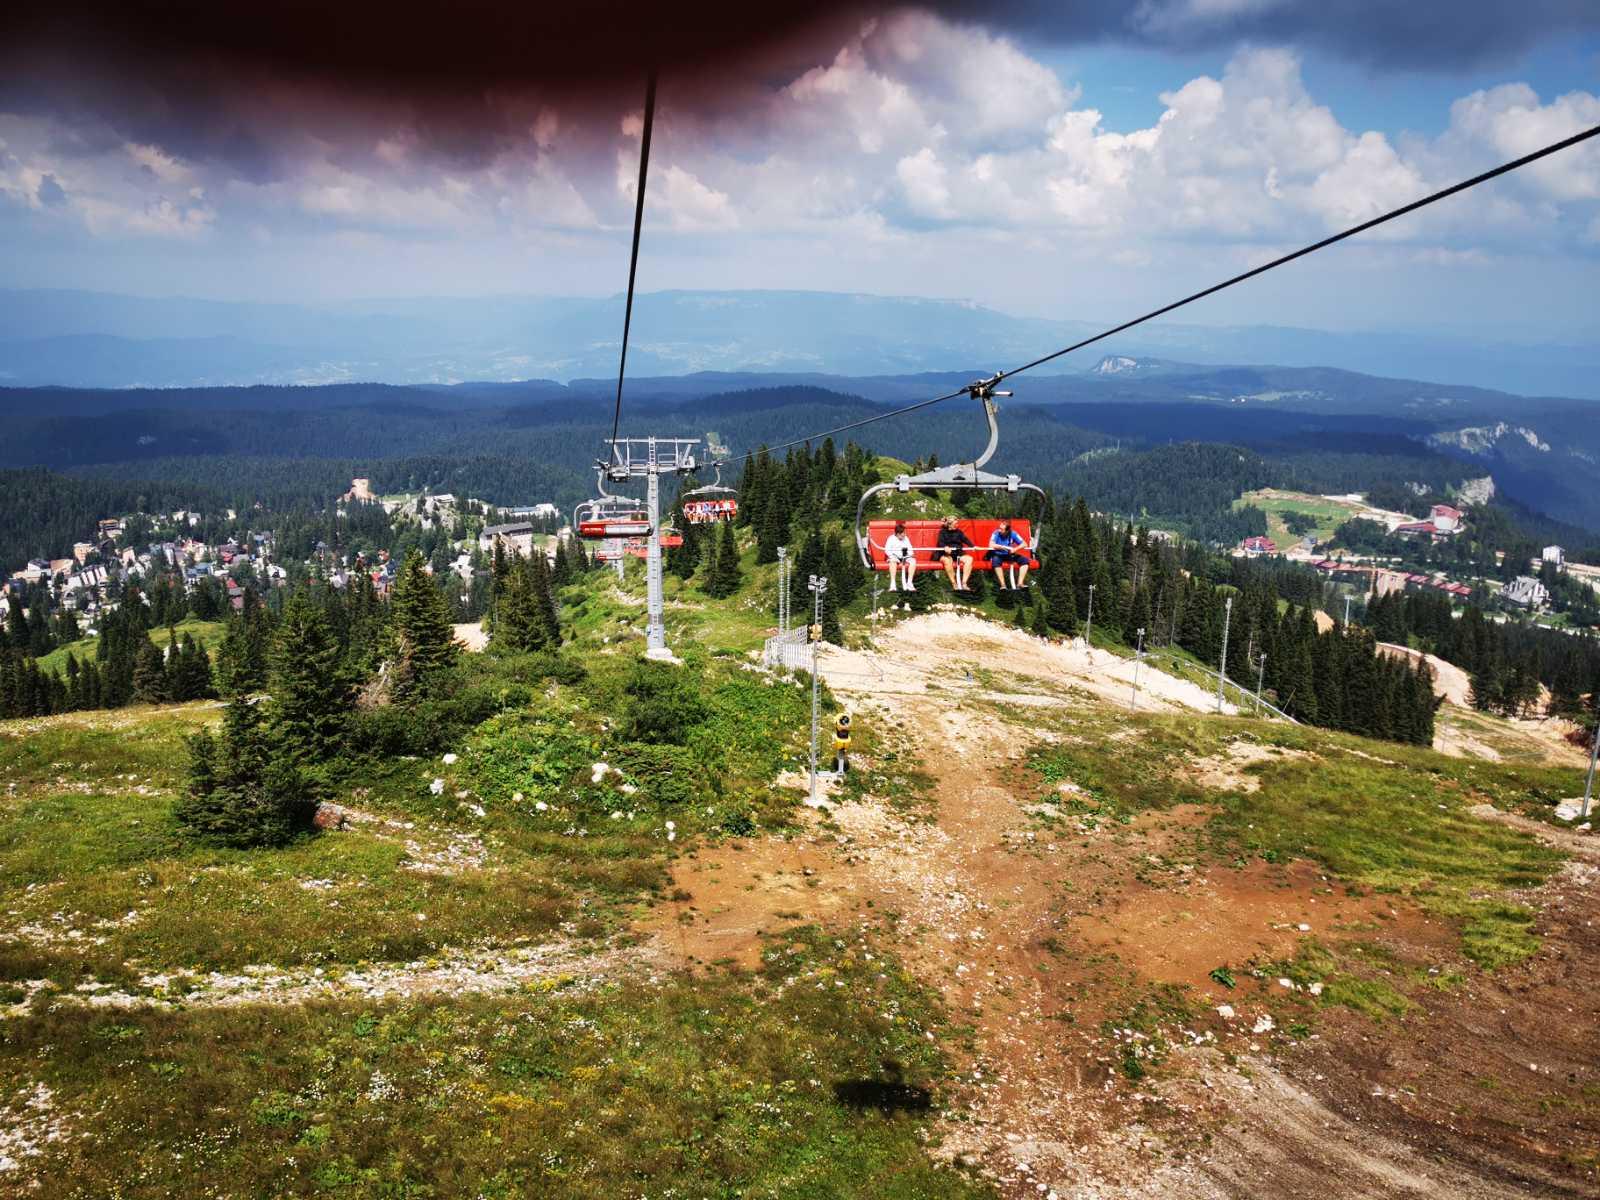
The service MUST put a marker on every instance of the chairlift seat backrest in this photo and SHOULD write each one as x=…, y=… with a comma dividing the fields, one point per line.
x=924, y=537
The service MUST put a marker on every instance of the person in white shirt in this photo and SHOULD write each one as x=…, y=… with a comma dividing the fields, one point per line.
x=902, y=558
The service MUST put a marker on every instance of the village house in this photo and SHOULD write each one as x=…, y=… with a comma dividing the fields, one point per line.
x=515, y=536
x=1526, y=592
x=1256, y=546
x=1443, y=521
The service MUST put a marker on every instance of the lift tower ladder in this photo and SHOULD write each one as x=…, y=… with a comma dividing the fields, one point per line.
x=649, y=459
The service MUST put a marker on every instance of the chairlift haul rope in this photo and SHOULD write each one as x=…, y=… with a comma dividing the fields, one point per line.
x=1364, y=226
x=638, y=224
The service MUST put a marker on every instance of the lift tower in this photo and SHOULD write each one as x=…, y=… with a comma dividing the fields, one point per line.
x=650, y=459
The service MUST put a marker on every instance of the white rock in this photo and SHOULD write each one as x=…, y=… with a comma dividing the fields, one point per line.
x=437, y=787
x=449, y=760
x=1225, y=1011
x=1315, y=989
x=599, y=772
x=1262, y=1025
x=540, y=805
x=1286, y=983
x=516, y=797
x=1303, y=927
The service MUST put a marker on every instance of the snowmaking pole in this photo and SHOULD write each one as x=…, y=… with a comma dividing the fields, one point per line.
x=1138, y=657
x=783, y=592
x=1222, y=663
x=818, y=585
x=1594, y=753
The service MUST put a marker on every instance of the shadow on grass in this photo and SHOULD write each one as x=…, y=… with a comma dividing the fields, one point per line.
x=888, y=1096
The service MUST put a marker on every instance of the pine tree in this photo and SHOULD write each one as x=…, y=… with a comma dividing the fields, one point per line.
x=150, y=674
x=1041, y=624
x=727, y=574
x=310, y=692
x=544, y=600
x=242, y=793
x=711, y=569
x=832, y=631
x=424, y=646
x=191, y=680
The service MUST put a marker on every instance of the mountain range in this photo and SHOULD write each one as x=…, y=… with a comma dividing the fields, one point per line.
x=101, y=340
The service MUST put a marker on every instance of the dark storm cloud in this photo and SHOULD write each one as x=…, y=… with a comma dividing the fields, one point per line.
x=236, y=84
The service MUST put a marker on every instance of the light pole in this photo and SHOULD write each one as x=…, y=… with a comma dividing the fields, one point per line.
x=1088, y=626
x=783, y=592
x=817, y=585
x=1138, y=657
x=1222, y=663
x=1347, y=612
x=1588, y=784
x=1261, y=675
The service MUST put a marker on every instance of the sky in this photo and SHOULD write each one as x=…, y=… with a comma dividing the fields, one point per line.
x=1078, y=161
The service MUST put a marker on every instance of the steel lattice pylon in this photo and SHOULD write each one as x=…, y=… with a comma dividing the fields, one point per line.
x=649, y=459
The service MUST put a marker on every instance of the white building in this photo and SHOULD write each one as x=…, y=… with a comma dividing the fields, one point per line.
x=1526, y=592
x=1554, y=554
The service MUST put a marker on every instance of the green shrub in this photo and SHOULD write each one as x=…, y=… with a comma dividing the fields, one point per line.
x=664, y=705
x=669, y=775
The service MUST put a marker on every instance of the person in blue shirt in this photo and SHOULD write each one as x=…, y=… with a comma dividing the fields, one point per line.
x=1008, y=556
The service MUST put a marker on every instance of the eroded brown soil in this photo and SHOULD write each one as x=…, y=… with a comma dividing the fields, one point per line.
x=1044, y=942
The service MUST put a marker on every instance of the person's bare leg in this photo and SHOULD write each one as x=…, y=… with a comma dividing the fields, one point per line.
x=966, y=571
x=948, y=562
x=1022, y=575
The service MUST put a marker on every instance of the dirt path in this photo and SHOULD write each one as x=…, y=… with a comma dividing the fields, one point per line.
x=449, y=972
x=1040, y=940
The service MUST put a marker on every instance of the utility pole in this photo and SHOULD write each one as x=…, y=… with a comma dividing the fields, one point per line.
x=1588, y=784
x=1138, y=657
x=1261, y=675
x=651, y=458
x=818, y=585
x=783, y=591
x=1347, y=612
x=1222, y=663
x=1088, y=626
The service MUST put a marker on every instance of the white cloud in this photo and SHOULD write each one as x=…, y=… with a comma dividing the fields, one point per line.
x=910, y=143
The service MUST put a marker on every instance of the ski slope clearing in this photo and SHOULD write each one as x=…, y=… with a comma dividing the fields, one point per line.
x=999, y=662
x=1141, y=1010
x=1463, y=731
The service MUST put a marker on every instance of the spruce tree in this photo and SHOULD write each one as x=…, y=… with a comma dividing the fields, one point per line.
x=150, y=674
x=310, y=692
x=424, y=646
x=1041, y=616
x=192, y=678
x=241, y=792
x=711, y=569
x=517, y=623
x=728, y=574
x=544, y=600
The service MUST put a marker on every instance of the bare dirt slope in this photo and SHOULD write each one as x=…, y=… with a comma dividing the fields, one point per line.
x=956, y=650
x=1040, y=938
x=1464, y=732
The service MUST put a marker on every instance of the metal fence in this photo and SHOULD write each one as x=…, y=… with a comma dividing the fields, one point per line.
x=788, y=651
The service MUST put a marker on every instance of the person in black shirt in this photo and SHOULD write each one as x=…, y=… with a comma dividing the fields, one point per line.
x=953, y=552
